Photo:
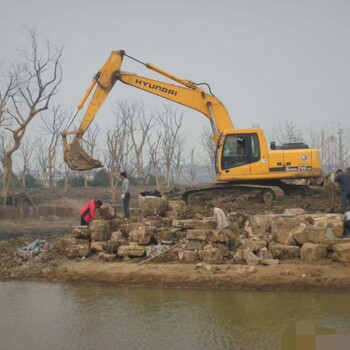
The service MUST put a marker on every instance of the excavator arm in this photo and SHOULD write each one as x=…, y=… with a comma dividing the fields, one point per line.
x=190, y=95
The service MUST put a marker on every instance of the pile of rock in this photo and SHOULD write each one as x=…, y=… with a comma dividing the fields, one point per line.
x=252, y=240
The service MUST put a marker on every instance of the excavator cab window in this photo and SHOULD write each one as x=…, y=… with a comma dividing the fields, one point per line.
x=240, y=149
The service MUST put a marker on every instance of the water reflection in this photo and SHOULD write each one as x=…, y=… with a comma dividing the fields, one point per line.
x=55, y=316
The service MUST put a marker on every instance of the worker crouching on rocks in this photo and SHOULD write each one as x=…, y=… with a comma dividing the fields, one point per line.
x=219, y=216
x=88, y=211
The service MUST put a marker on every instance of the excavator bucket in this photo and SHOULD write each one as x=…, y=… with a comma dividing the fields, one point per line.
x=78, y=159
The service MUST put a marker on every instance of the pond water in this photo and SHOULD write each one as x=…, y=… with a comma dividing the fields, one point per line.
x=61, y=316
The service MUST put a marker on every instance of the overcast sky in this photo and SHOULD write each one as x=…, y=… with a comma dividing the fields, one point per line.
x=266, y=60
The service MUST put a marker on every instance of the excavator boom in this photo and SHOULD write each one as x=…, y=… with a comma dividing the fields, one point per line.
x=190, y=95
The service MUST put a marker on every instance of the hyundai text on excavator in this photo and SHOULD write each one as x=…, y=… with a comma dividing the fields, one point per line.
x=244, y=163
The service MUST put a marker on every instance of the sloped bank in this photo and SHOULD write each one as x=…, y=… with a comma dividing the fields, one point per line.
x=289, y=251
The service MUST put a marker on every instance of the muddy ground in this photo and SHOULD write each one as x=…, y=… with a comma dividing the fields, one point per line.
x=48, y=266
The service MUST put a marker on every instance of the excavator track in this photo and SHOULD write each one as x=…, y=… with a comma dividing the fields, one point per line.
x=260, y=193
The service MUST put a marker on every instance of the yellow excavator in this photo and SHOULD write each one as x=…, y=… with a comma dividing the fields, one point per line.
x=244, y=161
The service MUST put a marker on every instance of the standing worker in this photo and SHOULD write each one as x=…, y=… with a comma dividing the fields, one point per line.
x=344, y=182
x=347, y=224
x=125, y=196
x=219, y=216
x=88, y=211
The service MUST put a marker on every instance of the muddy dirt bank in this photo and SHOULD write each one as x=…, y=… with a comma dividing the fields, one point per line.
x=287, y=276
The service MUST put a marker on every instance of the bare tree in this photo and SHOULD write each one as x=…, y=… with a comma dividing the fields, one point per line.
x=8, y=87
x=178, y=158
x=26, y=152
x=154, y=157
x=47, y=155
x=207, y=154
x=287, y=132
x=170, y=121
x=139, y=127
x=38, y=78
x=116, y=156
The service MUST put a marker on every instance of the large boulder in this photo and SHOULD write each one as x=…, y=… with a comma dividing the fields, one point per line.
x=188, y=256
x=194, y=245
x=309, y=234
x=333, y=222
x=219, y=236
x=152, y=206
x=341, y=252
x=281, y=251
x=261, y=224
x=81, y=232
x=71, y=247
x=253, y=245
x=179, y=207
x=131, y=250
x=283, y=226
x=115, y=224
x=205, y=224
x=142, y=235
x=197, y=235
x=311, y=252
x=111, y=247
x=127, y=228
x=100, y=230
x=250, y=257
x=211, y=256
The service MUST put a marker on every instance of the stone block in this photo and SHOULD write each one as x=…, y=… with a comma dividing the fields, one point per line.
x=309, y=234
x=225, y=252
x=107, y=257
x=341, y=252
x=131, y=250
x=198, y=235
x=189, y=256
x=142, y=235
x=127, y=228
x=81, y=232
x=100, y=230
x=115, y=224
x=152, y=206
x=217, y=236
x=205, y=224
x=184, y=224
x=211, y=256
x=177, y=206
x=250, y=257
x=281, y=251
x=253, y=245
x=117, y=236
x=171, y=214
x=282, y=227
x=96, y=246
x=194, y=245
x=111, y=247
x=311, y=252
x=264, y=255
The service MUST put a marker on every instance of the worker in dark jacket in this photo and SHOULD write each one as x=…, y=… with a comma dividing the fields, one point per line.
x=344, y=182
x=88, y=211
